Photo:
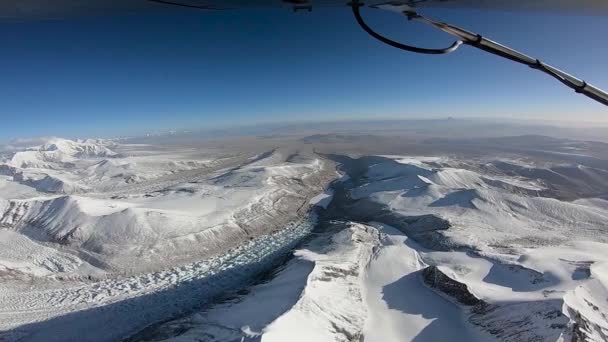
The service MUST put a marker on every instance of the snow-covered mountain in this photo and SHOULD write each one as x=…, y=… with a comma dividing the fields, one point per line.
x=479, y=210
x=57, y=153
x=188, y=210
x=62, y=166
x=523, y=252
x=187, y=244
x=431, y=249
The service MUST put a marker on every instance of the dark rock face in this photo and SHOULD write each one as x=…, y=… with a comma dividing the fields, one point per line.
x=7, y=170
x=425, y=229
x=583, y=329
x=513, y=322
x=436, y=279
x=523, y=321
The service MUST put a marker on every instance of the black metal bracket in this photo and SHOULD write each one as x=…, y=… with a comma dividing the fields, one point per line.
x=187, y=5
x=487, y=45
x=356, y=5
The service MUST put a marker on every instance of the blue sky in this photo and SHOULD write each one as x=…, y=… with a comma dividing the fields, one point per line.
x=189, y=69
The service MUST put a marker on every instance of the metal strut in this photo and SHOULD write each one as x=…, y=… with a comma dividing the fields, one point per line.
x=487, y=45
x=357, y=5
x=181, y=4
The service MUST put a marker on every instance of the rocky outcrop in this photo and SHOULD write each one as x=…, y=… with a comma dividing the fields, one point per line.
x=7, y=170
x=458, y=291
x=525, y=321
x=588, y=311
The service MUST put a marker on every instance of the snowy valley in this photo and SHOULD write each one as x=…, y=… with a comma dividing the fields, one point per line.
x=304, y=239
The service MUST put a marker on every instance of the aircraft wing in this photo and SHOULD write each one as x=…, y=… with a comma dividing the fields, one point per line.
x=18, y=10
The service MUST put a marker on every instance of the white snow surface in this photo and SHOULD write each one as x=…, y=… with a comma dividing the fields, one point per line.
x=322, y=200
x=164, y=221
x=331, y=307
x=364, y=284
x=483, y=210
x=55, y=152
x=368, y=286
x=94, y=224
x=401, y=307
x=146, y=209
x=539, y=264
x=130, y=303
x=531, y=253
